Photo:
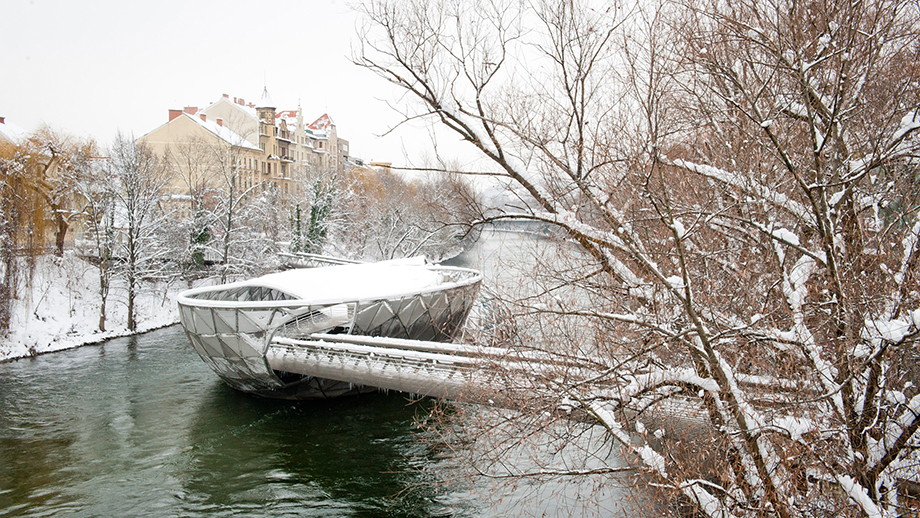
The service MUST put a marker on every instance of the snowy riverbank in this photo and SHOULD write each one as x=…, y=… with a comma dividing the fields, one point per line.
x=59, y=309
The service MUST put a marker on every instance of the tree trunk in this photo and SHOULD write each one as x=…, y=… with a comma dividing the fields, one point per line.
x=60, y=234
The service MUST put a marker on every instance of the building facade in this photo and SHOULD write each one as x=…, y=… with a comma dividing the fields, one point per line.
x=273, y=147
x=293, y=151
x=202, y=156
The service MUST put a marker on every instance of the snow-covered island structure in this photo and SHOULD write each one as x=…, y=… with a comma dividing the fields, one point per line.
x=234, y=326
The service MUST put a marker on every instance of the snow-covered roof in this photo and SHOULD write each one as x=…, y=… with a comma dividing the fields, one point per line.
x=316, y=134
x=266, y=100
x=11, y=132
x=223, y=133
x=324, y=123
x=337, y=284
x=351, y=281
x=288, y=116
x=247, y=110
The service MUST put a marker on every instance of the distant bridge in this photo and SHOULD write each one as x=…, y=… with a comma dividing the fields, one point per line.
x=525, y=226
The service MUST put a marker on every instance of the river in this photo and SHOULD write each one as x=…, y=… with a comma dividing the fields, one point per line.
x=140, y=426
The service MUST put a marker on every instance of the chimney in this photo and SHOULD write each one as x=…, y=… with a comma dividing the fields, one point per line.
x=191, y=110
x=226, y=96
x=252, y=105
x=203, y=116
x=220, y=122
x=174, y=113
x=2, y=120
x=242, y=101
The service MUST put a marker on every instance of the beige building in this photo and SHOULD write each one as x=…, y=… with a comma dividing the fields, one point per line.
x=303, y=149
x=202, y=155
x=260, y=145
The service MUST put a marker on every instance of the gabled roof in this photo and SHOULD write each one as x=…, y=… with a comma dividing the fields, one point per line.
x=246, y=110
x=288, y=116
x=221, y=132
x=324, y=123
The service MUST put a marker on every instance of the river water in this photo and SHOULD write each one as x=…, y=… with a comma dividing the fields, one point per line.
x=140, y=426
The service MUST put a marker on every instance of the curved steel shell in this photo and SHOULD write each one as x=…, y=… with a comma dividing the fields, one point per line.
x=232, y=326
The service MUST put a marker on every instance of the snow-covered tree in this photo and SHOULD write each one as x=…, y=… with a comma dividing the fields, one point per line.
x=384, y=216
x=142, y=182
x=737, y=184
x=96, y=191
x=213, y=172
x=317, y=226
x=17, y=220
x=230, y=197
x=264, y=221
x=190, y=164
x=53, y=162
x=37, y=183
x=296, y=226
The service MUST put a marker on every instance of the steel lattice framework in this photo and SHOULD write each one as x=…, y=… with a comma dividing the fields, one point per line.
x=232, y=327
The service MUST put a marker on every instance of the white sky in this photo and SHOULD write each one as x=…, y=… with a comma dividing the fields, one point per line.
x=92, y=68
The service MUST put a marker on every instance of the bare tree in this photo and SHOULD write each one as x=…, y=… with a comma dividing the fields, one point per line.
x=142, y=183
x=53, y=162
x=386, y=216
x=190, y=163
x=38, y=176
x=218, y=185
x=263, y=220
x=230, y=194
x=96, y=192
x=18, y=218
x=738, y=179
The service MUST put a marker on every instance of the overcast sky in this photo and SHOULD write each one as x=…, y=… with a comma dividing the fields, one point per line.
x=92, y=68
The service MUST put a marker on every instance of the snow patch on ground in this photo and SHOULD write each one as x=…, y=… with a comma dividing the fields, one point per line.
x=59, y=309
